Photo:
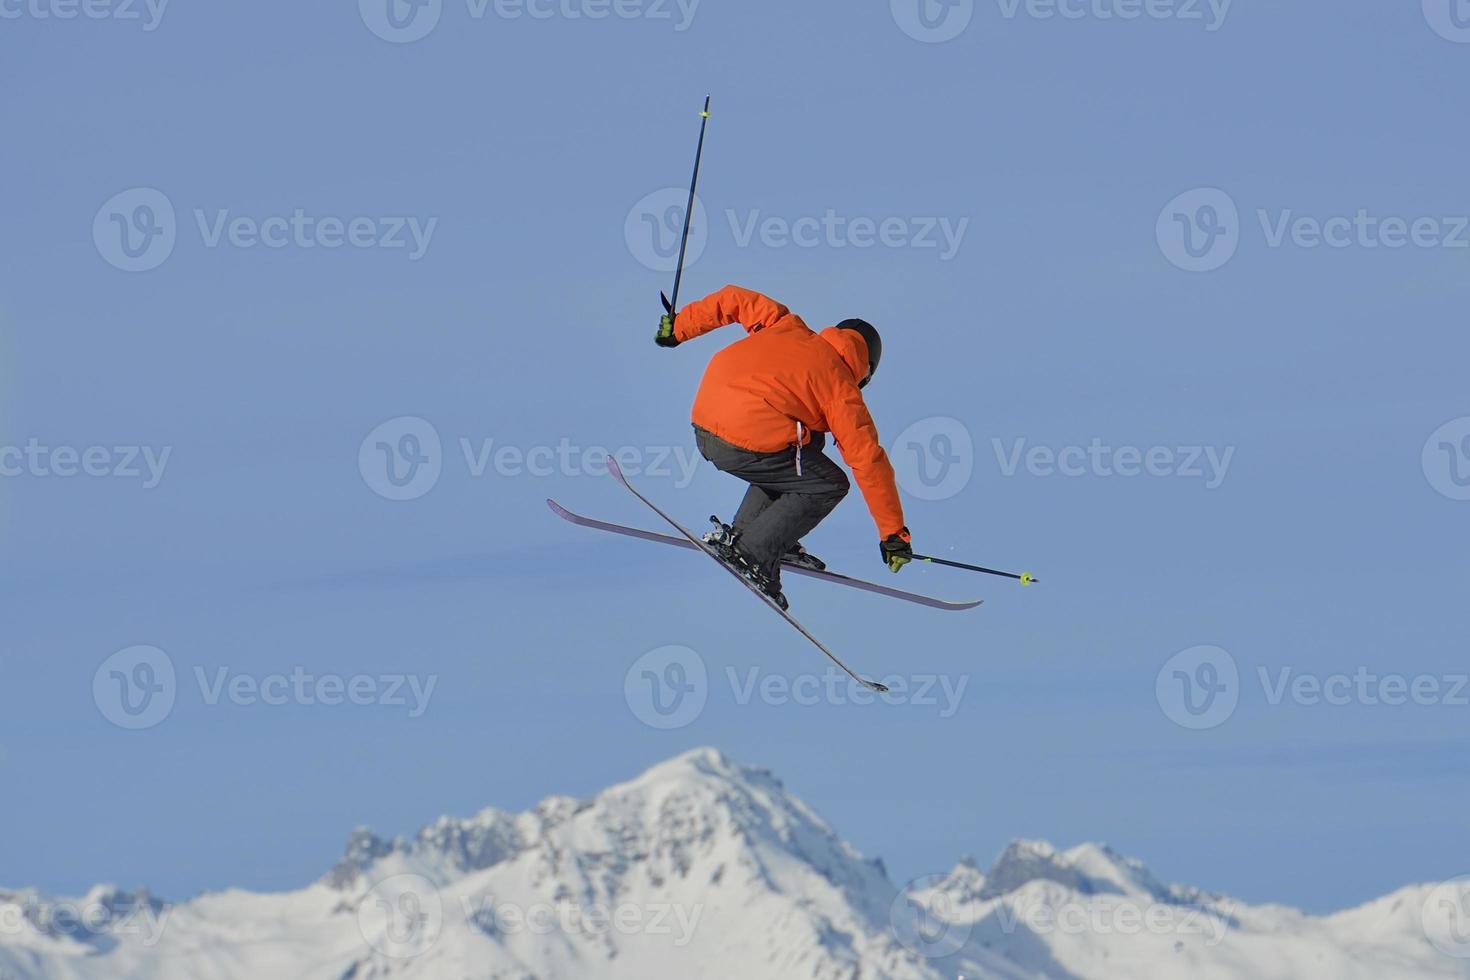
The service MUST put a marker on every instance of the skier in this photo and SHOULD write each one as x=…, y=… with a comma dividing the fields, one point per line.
x=762, y=414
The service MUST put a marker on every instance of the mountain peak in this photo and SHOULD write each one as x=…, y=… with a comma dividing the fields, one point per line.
x=1088, y=869
x=704, y=762
x=729, y=798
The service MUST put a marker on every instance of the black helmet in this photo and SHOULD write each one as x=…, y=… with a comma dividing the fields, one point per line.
x=874, y=343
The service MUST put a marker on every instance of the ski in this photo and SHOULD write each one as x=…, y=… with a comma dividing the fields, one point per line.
x=833, y=577
x=612, y=468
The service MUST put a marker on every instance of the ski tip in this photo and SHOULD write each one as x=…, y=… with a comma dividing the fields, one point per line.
x=957, y=605
x=875, y=686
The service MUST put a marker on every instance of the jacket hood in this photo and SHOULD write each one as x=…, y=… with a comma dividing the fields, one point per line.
x=853, y=350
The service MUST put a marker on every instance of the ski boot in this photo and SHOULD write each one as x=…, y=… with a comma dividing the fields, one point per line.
x=722, y=540
x=801, y=558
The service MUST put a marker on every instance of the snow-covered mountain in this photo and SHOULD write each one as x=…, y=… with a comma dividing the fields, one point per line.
x=700, y=868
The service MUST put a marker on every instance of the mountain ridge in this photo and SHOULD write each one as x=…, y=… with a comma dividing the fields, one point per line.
x=701, y=866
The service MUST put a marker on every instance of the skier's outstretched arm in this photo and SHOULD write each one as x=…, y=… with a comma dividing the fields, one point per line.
x=733, y=304
x=857, y=439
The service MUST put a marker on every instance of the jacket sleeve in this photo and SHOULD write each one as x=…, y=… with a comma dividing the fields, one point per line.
x=857, y=439
x=733, y=304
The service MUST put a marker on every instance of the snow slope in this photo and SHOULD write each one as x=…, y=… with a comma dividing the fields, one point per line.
x=704, y=868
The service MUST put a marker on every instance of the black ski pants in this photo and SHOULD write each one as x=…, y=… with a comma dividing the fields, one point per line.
x=781, y=506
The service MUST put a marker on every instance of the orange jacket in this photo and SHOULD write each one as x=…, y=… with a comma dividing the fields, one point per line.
x=756, y=390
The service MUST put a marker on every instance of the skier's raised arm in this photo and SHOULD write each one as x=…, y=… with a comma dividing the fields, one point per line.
x=733, y=304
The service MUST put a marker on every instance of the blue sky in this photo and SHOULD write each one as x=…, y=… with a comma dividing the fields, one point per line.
x=1033, y=177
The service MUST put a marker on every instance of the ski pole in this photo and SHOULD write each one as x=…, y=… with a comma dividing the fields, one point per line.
x=1024, y=578
x=671, y=304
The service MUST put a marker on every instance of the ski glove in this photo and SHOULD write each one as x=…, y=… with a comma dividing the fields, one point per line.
x=665, y=336
x=897, y=551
